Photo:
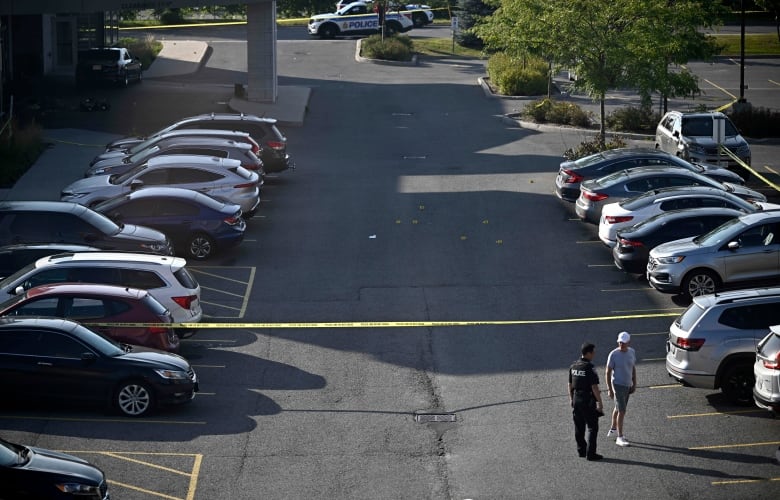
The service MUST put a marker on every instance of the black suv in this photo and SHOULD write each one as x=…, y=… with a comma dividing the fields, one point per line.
x=263, y=130
x=63, y=222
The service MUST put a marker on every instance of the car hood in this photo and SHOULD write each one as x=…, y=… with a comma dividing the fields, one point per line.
x=744, y=192
x=114, y=164
x=708, y=141
x=66, y=466
x=117, y=153
x=676, y=247
x=88, y=184
x=131, y=231
x=124, y=143
x=156, y=359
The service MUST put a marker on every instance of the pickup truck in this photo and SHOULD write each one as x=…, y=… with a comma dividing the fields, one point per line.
x=114, y=64
x=358, y=19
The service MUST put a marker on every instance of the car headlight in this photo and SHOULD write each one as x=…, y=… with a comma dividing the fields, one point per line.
x=101, y=171
x=674, y=259
x=173, y=374
x=78, y=488
x=154, y=247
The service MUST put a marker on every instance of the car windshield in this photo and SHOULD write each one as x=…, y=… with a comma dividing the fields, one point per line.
x=609, y=180
x=12, y=301
x=142, y=145
x=18, y=274
x=640, y=201
x=689, y=317
x=101, y=343
x=718, y=235
x=142, y=155
x=122, y=178
x=701, y=126
x=103, y=223
x=589, y=160
x=110, y=204
x=10, y=455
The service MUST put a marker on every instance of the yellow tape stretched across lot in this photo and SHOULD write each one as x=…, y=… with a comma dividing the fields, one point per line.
x=387, y=324
x=747, y=167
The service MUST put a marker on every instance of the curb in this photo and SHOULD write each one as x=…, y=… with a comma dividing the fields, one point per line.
x=362, y=59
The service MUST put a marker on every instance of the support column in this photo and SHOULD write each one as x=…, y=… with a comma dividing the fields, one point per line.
x=261, y=51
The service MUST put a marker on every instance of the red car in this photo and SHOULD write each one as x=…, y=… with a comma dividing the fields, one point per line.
x=89, y=303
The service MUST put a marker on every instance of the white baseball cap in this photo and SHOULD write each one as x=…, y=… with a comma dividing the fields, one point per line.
x=624, y=337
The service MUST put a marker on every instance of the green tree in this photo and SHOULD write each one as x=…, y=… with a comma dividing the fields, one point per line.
x=607, y=43
x=470, y=13
x=297, y=8
x=773, y=7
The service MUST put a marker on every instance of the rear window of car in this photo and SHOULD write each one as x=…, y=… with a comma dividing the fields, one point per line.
x=770, y=345
x=186, y=279
x=752, y=317
x=99, y=55
x=690, y=316
x=145, y=280
x=610, y=180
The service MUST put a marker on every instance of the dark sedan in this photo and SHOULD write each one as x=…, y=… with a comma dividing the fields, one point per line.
x=28, y=472
x=596, y=193
x=48, y=359
x=634, y=243
x=198, y=224
x=90, y=303
x=572, y=173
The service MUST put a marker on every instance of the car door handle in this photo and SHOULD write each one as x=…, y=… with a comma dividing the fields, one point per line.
x=44, y=363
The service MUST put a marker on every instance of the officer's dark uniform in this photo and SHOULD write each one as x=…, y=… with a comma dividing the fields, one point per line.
x=582, y=377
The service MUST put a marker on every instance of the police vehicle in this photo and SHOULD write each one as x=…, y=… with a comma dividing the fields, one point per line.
x=358, y=19
x=422, y=15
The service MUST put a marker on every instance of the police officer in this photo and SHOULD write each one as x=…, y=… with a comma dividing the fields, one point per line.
x=585, y=399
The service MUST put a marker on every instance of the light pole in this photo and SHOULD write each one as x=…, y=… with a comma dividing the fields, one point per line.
x=742, y=56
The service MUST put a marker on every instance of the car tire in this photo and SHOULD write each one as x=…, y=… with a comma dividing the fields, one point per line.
x=140, y=76
x=134, y=399
x=392, y=28
x=200, y=246
x=125, y=81
x=737, y=384
x=419, y=19
x=328, y=31
x=699, y=282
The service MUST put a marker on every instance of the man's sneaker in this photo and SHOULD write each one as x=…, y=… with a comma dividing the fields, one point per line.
x=621, y=441
x=612, y=433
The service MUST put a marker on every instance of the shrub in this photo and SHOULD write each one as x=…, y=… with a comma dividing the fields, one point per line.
x=145, y=49
x=593, y=146
x=632, y=119
x=393, y=48
x=562, y=113
x=756, y=122
x=514, y=76
x=19, y=152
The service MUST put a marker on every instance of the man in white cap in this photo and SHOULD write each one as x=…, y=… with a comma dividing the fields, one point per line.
x=621, y=381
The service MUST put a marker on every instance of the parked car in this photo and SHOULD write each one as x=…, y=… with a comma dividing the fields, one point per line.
x=58, y=359
x=572, y=173
x=63, y=222
x=262, y=129
x=89, y=303
x=112, y=64
x=712, y=344
x=204, y=146
x=691, y=136
x=741, y=251
x=15, y=257
x=134, y=149
x=220, y=177
x=635, y=242
x=198, y=224
x=166, y=278
x=29, y=472
x=626, y=213
x=766, y=391
x=596, y=193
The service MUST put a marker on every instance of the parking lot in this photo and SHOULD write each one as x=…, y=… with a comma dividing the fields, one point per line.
x=416, y=262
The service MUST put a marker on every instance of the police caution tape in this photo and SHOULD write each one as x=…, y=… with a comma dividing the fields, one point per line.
x=747, y=167
x=383, y=324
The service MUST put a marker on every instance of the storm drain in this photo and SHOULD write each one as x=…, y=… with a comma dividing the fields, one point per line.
x=425, y=418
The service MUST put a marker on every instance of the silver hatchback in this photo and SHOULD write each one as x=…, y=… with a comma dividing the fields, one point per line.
x=766, y=392
x=742, y=250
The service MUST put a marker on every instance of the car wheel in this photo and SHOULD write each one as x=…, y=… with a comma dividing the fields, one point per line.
x=200, y=246
x=737, y=384
x=700, y=282
x=329, y=31
x=392, y=28
x=140, y=76
x=419, y=19
x=134, y=399
x=125, y=78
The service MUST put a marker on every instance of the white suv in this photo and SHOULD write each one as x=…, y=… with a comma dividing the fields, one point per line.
x=166, y=278
x=766, y=392
x=712, y=344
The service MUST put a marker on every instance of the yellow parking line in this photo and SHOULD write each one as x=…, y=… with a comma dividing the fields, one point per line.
x=714, y=414
x=653, y=359
x=654, y=309
x=772, y=81
x=741, y=481
x=248, y=291
x=667, y=386
x=207, y=366
x=601, y=265
x=626, y=289
x=222, y=291
x=588, y=241
x=740, y=445
x=224, y=341
x=199, y=269
x=145, y=463
x=142, y=490
x=720, y=88
x=194, y=476
x=220, y=305
x=106, y=420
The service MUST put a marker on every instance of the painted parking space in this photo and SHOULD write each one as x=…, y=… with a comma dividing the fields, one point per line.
x=225, y=290
x=147, y=475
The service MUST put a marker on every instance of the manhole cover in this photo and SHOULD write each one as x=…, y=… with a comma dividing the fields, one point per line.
x=424, y=418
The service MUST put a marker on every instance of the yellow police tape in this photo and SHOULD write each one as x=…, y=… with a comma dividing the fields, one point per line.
x=384, y=324
x=747, y=167
x=48, y=139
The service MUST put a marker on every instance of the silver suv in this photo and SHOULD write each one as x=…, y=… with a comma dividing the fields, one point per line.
x=745, y=249
x=712, y=344
x=691, y=137
x=766, y=392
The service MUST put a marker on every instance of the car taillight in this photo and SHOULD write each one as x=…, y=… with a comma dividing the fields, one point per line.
x=773, y=364
x=689, y=344
x=590, y=195
x=158, y=330
x=615, y=219
x=185, y=301
x=255, y=146
x=245, y=185
x=628, y=243
x=231, y=221
x=572, y=176
x=278, y=146
x=254, y=167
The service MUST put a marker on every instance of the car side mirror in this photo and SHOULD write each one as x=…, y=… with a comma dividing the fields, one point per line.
x=135, y=184
x=733, y=245
x=19, y=290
